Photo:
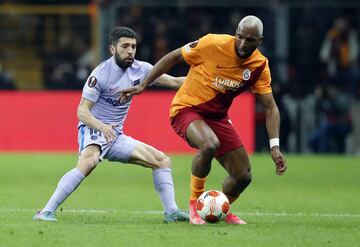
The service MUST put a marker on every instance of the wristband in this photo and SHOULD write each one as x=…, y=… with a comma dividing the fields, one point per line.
x=274, y=142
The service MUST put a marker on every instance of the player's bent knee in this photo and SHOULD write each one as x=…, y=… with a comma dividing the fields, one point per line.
x=243, y=180
x=164, y=161
x=88, y=162
x=210, y=146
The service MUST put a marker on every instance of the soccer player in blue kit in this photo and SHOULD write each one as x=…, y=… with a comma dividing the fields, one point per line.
x=100, y=129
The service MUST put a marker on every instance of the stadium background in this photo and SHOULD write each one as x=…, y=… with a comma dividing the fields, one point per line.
x=53, y=45
x=48, y=48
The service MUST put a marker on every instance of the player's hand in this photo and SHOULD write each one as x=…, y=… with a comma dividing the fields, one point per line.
x=279, y=159
x=127, y=93
x=108, y=131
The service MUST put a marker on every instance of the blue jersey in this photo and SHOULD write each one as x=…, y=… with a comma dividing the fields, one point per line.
x=103, y=85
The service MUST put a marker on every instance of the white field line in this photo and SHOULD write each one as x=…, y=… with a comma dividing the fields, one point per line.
x=259, y=214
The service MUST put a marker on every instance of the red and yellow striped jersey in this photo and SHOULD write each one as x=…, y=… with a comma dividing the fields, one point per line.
x=217, y=75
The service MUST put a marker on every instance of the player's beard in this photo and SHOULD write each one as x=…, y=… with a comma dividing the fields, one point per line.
x=245, y=54
x=123, y=63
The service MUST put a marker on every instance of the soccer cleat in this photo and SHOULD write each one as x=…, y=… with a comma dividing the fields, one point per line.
x=176, y=216
x=44, y=216
x=194, y=216
x=233, y=219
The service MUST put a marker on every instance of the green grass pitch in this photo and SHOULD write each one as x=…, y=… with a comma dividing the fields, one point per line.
x=317, y=203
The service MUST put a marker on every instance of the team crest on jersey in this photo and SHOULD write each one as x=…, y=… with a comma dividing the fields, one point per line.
x=92, y=81
x=246, y=74
x=94, y=137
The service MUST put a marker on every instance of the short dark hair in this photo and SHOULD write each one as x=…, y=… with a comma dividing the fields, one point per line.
x=119, y=32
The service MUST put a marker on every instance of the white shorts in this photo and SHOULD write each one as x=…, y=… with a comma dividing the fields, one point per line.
x=118, y=150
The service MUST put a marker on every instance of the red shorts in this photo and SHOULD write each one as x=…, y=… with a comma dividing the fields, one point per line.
x=224, y=130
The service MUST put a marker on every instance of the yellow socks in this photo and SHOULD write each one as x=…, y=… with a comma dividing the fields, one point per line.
x=197, y=187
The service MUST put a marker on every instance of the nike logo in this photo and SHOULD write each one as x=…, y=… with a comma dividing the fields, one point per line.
x=224, y=67
x=113, y=89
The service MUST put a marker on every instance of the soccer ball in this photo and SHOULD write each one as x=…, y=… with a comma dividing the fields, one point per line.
x=212, y=206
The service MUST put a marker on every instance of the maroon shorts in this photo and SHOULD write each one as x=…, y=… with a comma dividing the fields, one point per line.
x=224, y=130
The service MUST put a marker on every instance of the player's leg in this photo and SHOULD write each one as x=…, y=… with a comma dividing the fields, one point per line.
x=90, y=142
x=194, y=130
x=237, y=164
x=160, y=164
x=233, y=157
x=128, y=150
x=88, y=159
x=200, y=136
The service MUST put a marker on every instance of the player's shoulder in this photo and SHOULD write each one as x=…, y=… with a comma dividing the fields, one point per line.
x=139, y=65
x=101, y=73
x=259, y=57
x=103, y=67
x=218, y=38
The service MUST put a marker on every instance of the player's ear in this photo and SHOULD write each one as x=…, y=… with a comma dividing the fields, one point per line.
x=112, y=49
x=236, y=31
x=261, y=40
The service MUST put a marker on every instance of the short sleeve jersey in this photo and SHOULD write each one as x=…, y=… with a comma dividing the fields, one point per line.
x=217, y=75
x=103, y=85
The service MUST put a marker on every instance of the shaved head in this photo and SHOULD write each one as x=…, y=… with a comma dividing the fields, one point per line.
x=248, y=35
x=251, y=22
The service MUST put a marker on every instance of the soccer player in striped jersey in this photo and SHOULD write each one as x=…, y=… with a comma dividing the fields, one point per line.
x=222, y=67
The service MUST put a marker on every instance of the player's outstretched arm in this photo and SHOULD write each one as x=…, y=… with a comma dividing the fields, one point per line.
x=85, y=116
x=169, y=81
x=273, y=127
x=161, y=67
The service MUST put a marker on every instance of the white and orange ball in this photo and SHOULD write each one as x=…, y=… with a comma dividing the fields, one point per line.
x=212, y=206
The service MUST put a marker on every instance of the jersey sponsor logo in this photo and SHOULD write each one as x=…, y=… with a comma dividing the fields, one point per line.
x=246, y=74
x=94, y=137
x=227, y=84
x=92, y=81
x=115, y=102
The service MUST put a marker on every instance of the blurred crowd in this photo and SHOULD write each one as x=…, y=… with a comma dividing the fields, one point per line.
x=319, y=100
x=67, y=55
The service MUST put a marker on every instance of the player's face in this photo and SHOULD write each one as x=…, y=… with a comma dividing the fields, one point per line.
x=124, y=52
x=247, y=40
